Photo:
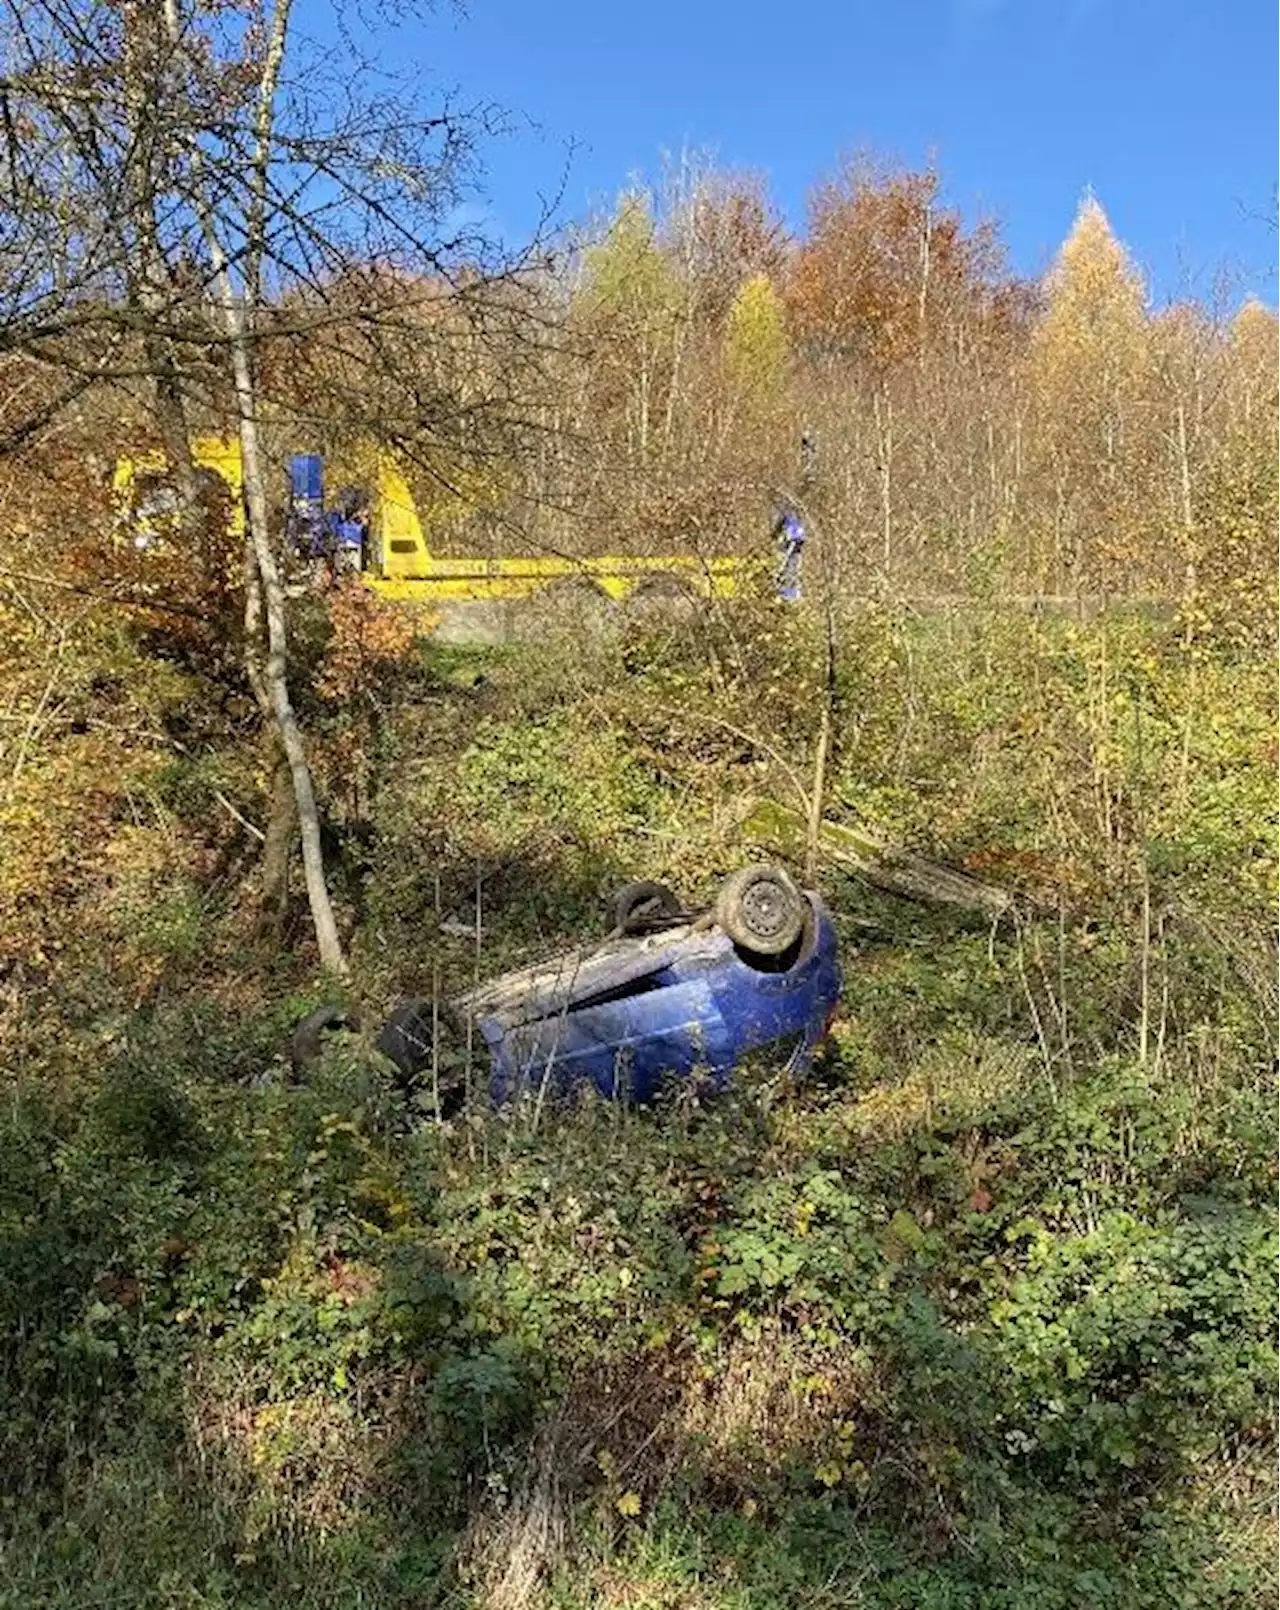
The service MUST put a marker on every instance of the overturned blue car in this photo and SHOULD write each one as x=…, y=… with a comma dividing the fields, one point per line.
x=669, y=993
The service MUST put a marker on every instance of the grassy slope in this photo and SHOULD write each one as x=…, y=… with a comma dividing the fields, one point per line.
x=979, y=1314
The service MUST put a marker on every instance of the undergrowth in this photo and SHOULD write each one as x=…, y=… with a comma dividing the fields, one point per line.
x=977, y=1312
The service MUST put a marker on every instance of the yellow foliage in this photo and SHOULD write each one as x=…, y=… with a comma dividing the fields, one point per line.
x=1098, y=409
x=1252, y=358
x=1092, y=338
x=756, y=347
x=1254, y=336
x=626, y=274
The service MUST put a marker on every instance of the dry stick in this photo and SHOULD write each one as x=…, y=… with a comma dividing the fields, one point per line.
x=1058, y=1008
x=471, y=1016
x=1063, y=1015
x=1035, y=1012
x=824, y=743
x=1144, y=1022
x=814, y=805
x=1164, y=998
x=32, y=727
x=243, y=820
x=816, y=797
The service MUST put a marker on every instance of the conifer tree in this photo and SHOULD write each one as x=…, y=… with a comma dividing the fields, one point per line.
x=1090, y=369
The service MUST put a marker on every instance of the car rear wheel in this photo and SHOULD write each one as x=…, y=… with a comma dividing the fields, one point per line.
x=405, y=1037
x=761, y=910
x=640, y=907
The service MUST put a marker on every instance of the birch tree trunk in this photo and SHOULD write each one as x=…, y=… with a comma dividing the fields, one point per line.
x=275, y=666
x=264, y=589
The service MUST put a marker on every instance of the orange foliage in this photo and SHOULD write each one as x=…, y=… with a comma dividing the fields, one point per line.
x=368, y=635
x=886, y=269
x=725, y=234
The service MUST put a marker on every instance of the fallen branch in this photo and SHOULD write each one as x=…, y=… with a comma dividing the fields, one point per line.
x=885, y=865
x=244, y=821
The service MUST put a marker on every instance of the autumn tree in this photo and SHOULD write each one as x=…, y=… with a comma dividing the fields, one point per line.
x=1183, y=344
x=899, y=310
x=191, y=172
x=718, y=229
x=1090, y=374
x=629, y=304
x=755, y=341
x=1252, y=356
x=885, y=268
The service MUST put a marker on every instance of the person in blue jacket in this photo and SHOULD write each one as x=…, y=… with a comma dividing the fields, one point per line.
x=789, y=534
x=346, y=530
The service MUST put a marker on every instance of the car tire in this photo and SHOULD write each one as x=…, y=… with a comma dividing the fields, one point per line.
x=405, y=1037
x=305, y=1043
x=642, y=906
x=761, y=910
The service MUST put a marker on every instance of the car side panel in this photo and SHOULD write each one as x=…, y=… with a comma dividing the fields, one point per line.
x=625, y=1048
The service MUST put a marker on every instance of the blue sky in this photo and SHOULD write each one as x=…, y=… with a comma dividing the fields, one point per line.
x=1167, y=110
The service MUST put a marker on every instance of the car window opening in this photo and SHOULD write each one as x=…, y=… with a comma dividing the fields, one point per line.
x=643, y=985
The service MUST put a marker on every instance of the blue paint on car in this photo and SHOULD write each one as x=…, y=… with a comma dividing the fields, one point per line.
x=637, y=1012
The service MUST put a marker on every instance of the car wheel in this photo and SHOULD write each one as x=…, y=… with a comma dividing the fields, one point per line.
x=305, y=1042
x=761, y=910
x=405, y=1038
x=640, y=906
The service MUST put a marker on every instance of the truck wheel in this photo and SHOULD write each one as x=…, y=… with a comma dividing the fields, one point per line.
x=573, y=607
x=662, y=599
x=640, y=907
x=761, y=910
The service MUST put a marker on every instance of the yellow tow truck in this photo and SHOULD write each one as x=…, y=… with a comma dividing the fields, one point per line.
x=380, y=534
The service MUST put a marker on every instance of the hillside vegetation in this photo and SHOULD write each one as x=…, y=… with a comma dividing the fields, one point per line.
x=976, y=1314
x=980, y=1312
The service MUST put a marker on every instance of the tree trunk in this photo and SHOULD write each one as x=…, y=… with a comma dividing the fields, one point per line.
x=171, y=416
x=269, y=675
x=275, y=666
x=883, y=864
x=281, y=827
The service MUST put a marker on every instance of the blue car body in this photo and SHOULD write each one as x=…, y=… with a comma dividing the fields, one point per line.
x=636, y=1012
